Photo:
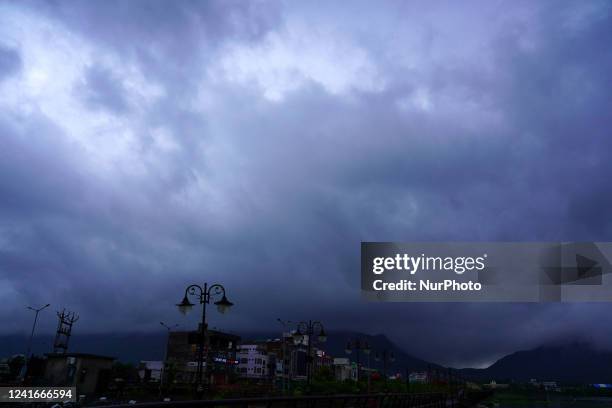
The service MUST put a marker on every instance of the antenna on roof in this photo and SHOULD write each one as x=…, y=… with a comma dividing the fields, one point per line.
x=64, y=330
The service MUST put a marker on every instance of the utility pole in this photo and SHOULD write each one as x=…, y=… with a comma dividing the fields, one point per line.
x=163, y=372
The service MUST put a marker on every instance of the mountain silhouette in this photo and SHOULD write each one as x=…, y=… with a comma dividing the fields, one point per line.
x=575, y=362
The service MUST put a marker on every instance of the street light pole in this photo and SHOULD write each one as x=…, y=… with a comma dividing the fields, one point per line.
x=369, y=374
x=359, y=345
x=163, y=372
x=27, y=355
x=284, y=353
x=308, y=329
x=387, y=356
x=203, y=295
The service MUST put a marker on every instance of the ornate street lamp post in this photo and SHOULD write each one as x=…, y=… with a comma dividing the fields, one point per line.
x=203, y=295
x=308, y=329
x=387, y=357
x=286, y=375
x=359, y=345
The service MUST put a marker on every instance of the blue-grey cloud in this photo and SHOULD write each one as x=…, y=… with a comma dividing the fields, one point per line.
x=10, y=61
x=103, y=90
x=146, y=146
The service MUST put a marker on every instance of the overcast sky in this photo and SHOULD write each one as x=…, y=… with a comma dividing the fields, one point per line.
x=148, y=145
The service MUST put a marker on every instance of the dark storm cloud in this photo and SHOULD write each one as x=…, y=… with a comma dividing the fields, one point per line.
x=101, y=89
x=10, y=61
x=169, y=42
x=149, y=146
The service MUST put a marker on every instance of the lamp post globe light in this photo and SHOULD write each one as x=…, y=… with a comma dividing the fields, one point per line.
x=359, y=345
x=309, y=328
x=203, y=295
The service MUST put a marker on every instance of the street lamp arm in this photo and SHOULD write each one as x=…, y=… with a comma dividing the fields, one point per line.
x=39, y=309
x=195, y=290
x=215, y=290
x=318, y=325
x=302, y=327
x=285, y=323
x=203, y=294
x=308, y=328
x=168, y=327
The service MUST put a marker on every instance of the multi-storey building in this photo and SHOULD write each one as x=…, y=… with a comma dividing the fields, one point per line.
x=284, y=360
x=279, y=353
x=89, y=373
x=254, y=361
x=182, y=355
x=280, y=360
x=323, y=360
x=150, y=371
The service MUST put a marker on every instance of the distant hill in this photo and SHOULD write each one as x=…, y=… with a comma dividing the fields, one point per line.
x=133, y=347
x=570, y=363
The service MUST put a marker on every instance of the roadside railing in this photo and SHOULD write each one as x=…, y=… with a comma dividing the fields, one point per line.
x=421, y=400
